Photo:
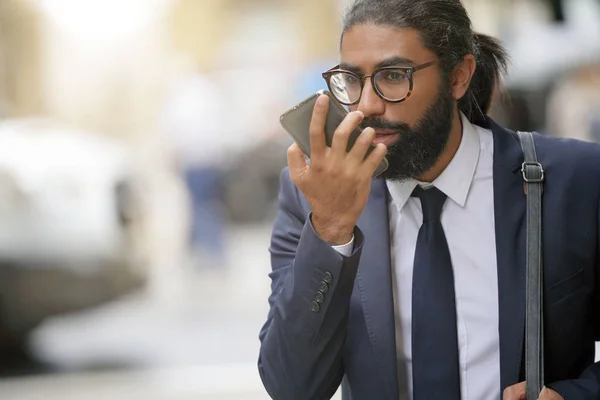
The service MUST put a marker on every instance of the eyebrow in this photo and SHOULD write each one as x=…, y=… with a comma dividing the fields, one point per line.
x=389, y=62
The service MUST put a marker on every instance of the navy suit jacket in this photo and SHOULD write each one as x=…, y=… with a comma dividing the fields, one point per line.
x=350, y=340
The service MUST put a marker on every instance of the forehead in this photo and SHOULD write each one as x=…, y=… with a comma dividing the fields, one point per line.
x=366, y=46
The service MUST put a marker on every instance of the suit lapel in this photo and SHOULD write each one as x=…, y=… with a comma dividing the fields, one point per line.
x=374, y=281
x=509, y=212
x=374, y=276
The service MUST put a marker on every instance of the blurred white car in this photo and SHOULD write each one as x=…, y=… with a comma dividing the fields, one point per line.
x=69, y=224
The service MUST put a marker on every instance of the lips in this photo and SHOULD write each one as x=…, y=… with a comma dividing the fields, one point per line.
x=385, y=132
x=386, y=138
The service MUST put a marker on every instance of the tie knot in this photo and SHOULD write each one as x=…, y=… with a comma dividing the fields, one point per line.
x=432, y=202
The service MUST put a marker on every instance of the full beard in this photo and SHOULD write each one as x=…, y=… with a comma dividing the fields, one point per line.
x=417, y=149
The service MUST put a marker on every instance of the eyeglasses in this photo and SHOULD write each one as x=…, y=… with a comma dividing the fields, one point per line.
x=393, y=84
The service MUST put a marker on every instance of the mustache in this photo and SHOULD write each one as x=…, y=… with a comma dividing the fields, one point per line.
x=380, y=123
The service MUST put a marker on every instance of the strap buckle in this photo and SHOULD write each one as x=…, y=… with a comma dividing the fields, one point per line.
x=532, y=172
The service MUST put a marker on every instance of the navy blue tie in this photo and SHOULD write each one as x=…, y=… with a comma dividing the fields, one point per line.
x=434, y=339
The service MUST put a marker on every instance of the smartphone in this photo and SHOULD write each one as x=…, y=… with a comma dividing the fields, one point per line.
x=296, y=122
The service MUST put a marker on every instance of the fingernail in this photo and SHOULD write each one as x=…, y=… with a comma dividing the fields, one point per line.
x=360, y=114
x=322, y=100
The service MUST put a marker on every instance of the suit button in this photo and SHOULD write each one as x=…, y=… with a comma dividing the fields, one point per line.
x=323, y=287
x=327, y=277
x=319, y=297
x=315, y=307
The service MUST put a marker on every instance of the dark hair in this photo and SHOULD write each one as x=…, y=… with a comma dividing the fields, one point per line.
x=446, y=30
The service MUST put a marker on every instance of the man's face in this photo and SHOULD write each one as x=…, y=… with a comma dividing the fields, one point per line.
x=416, y=130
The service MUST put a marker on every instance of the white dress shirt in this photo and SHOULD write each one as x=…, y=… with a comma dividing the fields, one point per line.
x=468, y=221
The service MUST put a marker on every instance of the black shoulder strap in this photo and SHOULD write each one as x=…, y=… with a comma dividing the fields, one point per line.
x=533, y=174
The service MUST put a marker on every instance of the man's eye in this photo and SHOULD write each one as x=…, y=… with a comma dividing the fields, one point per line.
x=394, y=76
x=351, y=80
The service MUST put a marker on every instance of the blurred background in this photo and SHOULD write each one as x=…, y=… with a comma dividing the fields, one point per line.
x=140, y=152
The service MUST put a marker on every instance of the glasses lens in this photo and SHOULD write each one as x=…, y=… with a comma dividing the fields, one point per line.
x=393, y=84
x=345, y=87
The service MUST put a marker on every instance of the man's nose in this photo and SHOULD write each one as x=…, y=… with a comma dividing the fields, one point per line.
x=370, y=103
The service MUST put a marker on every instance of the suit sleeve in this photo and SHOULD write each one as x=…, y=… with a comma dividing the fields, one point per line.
x=587, y=387
x=311, y=286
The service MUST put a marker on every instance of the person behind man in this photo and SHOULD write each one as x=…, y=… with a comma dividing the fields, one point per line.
x=412, y=285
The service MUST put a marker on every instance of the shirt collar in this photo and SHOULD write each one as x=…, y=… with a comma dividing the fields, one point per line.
x=455, y=181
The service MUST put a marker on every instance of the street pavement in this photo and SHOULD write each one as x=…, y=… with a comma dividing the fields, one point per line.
x=191, y=335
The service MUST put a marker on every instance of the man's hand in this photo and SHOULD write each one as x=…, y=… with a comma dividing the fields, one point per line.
x=518, y=392
x=336, y=183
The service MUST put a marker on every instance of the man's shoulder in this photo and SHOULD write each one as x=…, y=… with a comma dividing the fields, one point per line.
x=570, y=162
x=552, y=151
x=568, y=153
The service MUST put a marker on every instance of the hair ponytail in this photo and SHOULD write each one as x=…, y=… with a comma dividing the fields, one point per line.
x=492, y=63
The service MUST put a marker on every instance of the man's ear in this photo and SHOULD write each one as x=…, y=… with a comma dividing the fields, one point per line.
x=462, y=75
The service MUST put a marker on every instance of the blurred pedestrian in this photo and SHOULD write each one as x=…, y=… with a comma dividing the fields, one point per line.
x=194, y=122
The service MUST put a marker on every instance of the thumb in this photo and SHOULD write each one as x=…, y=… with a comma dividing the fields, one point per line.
x=296, y=160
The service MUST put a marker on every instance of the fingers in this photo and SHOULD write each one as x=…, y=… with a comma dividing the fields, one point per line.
x=296, y=160
x=515, y=392
x=375, y=158
x=362, y=144
x=339, y=145
x=343, y=132
x=317, y=128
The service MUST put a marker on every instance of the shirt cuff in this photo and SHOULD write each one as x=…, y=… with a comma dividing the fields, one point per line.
x=345, y=249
